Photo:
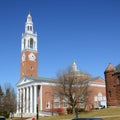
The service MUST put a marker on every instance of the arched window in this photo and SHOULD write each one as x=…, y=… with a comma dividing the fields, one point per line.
x=48, y=104
x=99, y=96
x=31, y=43
x=30, y=28
x=56, y=101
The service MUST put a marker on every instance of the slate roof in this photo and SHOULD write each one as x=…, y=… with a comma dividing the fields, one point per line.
x=118, y=68
x=96, y=80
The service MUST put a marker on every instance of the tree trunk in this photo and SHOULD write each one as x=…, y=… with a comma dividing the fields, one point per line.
x=73, y=109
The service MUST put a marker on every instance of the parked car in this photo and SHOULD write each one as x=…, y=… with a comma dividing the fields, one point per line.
x=2, y=118
x=101, y=106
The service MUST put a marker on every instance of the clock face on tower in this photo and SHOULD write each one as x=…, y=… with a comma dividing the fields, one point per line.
x=32, y=57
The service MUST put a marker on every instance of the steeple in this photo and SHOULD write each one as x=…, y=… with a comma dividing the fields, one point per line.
x=29, y=24
x=29, y=54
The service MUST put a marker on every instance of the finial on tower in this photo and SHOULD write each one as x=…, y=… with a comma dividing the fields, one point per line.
x=29, y=18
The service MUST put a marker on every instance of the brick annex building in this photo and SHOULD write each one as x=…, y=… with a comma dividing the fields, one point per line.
x=33, y=90
x=112, y=79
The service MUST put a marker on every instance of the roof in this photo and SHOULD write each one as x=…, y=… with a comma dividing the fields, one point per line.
x=98, y=80
x=33, y=80
x=110, y=68
x=42, y=80
x=118, y=68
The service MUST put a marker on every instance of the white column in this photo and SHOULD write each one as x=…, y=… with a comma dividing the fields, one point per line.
x=27, y=100
x=35, y=98
x=23, y=100
x=31, y=99
x=41, y=98
x=18, y=99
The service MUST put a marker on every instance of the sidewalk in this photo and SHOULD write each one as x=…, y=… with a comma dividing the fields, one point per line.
x=109, y=116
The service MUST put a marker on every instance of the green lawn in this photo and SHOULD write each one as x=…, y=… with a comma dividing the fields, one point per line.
x=106, y=114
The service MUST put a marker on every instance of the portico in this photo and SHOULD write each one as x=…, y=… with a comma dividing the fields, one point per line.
x=27, y=96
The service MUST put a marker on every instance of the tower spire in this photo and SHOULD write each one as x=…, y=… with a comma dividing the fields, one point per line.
x=29, y=24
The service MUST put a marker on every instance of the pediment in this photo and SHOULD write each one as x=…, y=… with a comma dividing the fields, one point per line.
x=24, y=81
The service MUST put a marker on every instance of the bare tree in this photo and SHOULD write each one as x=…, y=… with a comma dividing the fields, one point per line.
x=73, y=87
x=1, y=100
x=9, y=99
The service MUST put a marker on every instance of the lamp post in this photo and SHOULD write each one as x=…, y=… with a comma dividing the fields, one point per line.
x=37, y=112
x=76, y=113
x=52, y=107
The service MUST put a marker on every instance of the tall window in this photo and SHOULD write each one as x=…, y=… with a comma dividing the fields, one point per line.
x=56, y=102
x=99, y=96
x=48, y=104
x=30, y=28
x=65, y=104
x=31, y=43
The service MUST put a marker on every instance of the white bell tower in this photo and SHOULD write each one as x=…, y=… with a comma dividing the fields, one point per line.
x=29, y=38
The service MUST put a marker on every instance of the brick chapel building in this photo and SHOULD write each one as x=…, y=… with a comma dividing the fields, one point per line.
x=33, y=91
x=112, y=79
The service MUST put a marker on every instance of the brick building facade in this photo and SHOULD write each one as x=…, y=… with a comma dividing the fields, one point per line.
x=33, y=90
x=112, y=79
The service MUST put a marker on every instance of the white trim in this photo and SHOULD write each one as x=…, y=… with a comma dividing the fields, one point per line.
x=97, y=85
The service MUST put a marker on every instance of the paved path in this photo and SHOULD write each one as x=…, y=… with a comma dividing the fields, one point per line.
x=109, y=116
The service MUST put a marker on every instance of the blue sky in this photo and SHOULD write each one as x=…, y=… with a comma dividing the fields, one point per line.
x=85, y=31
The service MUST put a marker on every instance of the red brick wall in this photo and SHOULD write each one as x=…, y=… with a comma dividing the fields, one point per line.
x=94, y=92
x=47, y=95
x=29, y=68
x=112, y=88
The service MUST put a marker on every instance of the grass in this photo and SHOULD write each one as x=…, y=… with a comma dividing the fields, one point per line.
x=106, y=114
